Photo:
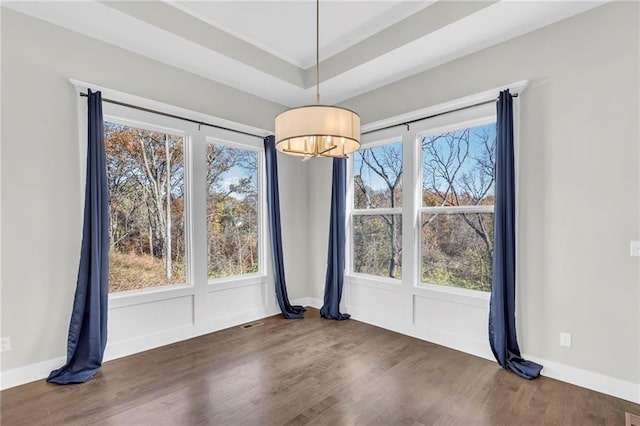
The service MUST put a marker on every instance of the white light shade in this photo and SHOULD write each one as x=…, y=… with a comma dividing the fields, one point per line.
x=318, y=130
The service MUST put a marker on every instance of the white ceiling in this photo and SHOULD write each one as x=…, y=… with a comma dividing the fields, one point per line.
x=287, y=29
x=267, y=48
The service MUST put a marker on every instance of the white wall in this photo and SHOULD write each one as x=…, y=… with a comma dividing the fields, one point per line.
x=579, y=189
x=294, y=211
x=579, y=180
x=41, y=188
x=319, y=188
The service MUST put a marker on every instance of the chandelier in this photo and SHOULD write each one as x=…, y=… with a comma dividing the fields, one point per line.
x=318, y=130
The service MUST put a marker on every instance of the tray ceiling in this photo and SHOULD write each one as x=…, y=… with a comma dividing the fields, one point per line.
x=267, y=48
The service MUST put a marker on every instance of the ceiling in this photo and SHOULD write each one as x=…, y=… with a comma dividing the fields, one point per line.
x=267, y=48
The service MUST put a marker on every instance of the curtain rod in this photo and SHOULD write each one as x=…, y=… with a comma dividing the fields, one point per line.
x=153, y=111
x=407, y=123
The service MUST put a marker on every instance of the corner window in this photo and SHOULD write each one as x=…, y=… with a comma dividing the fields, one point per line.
x=456, y=216
x=145, y=179
x=377, y=211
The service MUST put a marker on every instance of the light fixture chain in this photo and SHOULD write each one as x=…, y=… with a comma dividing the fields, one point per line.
x=317, y=52
x=317, y=130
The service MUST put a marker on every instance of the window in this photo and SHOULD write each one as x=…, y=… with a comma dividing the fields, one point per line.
x=145, y=178
x=232, y=211
x=456, y=216
x=377, y=211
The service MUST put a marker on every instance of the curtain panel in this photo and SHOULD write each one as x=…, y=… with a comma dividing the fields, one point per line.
x=335, y=259
x=273, y=204
x=502, y=318
x=88, y=328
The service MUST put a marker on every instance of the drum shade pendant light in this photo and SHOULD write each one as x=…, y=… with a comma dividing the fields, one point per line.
x=318, y=130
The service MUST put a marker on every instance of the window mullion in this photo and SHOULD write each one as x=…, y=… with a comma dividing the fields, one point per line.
x=458, y=209
x=377, y=212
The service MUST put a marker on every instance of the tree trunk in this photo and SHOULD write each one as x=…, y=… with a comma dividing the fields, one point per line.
x=112, y=231
x=154, y=191
x=150, y=238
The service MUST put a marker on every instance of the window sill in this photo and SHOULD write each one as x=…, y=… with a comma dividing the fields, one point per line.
x=150, y=294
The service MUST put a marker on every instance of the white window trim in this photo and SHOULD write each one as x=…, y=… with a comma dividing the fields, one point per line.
x=193, y=134
x=457, y=209
x=144, y=120
x=377, y=212
x=412, y=190
x=457, y=120
x=387, y=138
x=261, y=274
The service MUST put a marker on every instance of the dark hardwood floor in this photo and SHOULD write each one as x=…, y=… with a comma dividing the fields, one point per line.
x=308, y=372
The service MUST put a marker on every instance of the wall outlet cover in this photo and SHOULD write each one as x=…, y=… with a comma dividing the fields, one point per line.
x=5, y=344
x=565, y=339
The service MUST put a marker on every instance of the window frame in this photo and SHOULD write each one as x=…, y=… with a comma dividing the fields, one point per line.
x=395, y=137
x=457, y=120
x=196, y=139
x=119, y=117
x=411, y=135
x=261, y=273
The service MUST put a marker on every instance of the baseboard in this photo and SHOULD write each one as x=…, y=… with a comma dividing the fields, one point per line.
x=29, y=373
x=439, y=337
x=308, y=301
x=588, y=379
x=124, y=348
x=39, y=371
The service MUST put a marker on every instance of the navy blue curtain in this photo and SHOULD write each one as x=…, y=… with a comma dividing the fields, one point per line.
x=335, y=259
x=273, y=203
x=502, y=317
x=88, y=329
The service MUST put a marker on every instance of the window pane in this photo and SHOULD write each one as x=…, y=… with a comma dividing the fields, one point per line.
x=232, y=211
x=377, y=245
x=377, y=176
x=457, y=249
x=458, y=167
x=145, y=177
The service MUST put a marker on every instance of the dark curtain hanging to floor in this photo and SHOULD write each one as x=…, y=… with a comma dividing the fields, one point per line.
x=502, y=318
x=88, y=329
x=335, y=260
x=273, y=203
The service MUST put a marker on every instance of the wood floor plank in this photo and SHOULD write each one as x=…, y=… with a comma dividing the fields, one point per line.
x=308, y=372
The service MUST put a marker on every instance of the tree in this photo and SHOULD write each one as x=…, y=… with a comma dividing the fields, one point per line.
x=385, y=162
x=145, y=174
x=459, y=170
x=232, y=211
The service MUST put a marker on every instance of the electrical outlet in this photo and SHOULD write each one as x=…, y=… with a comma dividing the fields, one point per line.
x=635, y=248
x=565, y=339
x=5, y=344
